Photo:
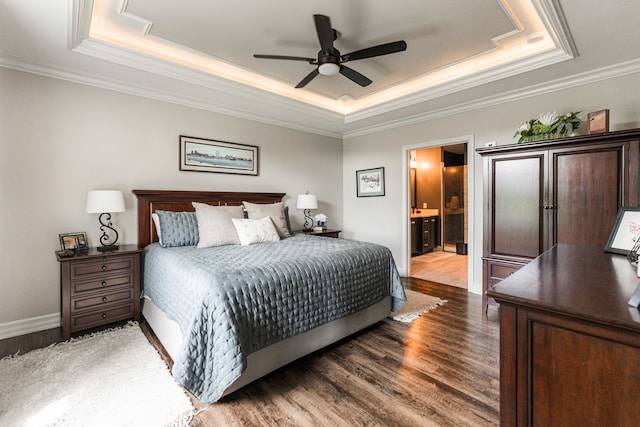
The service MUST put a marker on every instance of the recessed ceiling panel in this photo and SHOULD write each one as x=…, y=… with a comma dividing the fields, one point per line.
x=438, y=34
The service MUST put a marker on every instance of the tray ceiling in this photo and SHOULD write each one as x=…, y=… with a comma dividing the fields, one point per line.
x=454, y=43
x=461, y=54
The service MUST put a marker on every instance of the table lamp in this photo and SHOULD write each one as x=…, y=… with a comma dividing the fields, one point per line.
x=105, y=202
x=307, y=202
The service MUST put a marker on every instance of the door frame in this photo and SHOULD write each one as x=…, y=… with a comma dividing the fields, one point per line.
x=406, y=222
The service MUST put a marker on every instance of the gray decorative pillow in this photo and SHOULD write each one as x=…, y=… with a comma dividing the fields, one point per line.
x=178, y=228
x=215, y=225
x=275, y=211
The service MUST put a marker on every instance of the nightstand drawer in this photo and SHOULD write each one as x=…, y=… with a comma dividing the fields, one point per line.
x=95, y=318
x=125, y=295
x=101, y=284
x=326, y=233
x=80, y=269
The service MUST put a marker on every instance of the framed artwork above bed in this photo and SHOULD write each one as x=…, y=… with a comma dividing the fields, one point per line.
x=208, y=155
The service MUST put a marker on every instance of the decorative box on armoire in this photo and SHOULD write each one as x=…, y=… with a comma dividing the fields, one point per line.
x=540, y=194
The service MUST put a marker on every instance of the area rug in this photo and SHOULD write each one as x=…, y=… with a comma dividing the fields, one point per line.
x=112, y=378
x=417, y=304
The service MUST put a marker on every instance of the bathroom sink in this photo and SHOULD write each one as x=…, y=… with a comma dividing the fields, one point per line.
x=418, y=213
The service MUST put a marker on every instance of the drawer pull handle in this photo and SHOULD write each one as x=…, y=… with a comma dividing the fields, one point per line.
x=104, y=299
x=104, y=267
x=103, y=283
x=104, y=315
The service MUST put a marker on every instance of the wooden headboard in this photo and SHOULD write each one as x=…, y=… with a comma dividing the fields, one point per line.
x=180, y=201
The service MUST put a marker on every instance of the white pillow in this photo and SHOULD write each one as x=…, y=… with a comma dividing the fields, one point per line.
x=156, y=222
x=275, y=211
x=255, y=230
x=215, y=227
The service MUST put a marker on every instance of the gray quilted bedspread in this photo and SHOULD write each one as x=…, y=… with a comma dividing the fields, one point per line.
x=230, y=301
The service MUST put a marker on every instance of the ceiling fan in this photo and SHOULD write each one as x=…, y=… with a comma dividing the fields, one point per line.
x=329, y=61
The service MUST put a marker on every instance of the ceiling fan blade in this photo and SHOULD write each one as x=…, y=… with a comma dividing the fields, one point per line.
x=370, y=52
x=290, y=58
x=307, y=79
x=325, y=32
x=355, y=76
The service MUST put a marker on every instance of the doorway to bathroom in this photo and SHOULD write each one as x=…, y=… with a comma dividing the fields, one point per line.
x=438, y=213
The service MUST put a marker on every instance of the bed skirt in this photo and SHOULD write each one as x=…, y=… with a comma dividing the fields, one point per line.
x=272, y=357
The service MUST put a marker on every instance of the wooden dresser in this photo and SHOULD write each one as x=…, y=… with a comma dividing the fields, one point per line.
x=98, y=288
x=569, y=342
x=540, y=194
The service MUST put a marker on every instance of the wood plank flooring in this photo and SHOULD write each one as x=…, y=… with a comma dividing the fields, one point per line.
x=440, y=370
x=448, y=268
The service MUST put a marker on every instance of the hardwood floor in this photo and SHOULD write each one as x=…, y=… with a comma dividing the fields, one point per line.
x=448, y=268
x=440, y=370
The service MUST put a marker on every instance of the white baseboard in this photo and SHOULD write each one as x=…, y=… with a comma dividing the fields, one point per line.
x=476, y=288
x=28, y=326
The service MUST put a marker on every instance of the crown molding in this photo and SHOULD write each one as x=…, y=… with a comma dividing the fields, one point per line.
x=131, y=59
x=551, y=14
x=203, y=103
x=108, y=52
x=550, y=11
x=605, y=73
x=489, y=76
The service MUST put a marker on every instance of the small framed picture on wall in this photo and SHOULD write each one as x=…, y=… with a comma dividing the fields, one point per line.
x=370, y=182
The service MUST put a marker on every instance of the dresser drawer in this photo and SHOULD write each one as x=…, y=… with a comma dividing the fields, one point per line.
x=501, y=271
x=125, y=295
x=96, y=317
x=498, y=271
x=103, y=283
x=105, y=265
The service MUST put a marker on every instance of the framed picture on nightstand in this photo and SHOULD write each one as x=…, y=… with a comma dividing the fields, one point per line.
x=73, y=241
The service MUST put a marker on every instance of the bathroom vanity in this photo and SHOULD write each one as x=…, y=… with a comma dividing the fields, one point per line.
x=425, y=231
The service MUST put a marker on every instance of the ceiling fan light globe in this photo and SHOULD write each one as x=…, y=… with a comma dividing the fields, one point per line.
x=329, y=69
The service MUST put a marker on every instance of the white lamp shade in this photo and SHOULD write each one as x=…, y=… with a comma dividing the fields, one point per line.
x=103, y=201
x=307, y=201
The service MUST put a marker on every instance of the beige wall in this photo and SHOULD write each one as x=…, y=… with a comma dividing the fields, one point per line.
x=59, y=139
x=380, y=219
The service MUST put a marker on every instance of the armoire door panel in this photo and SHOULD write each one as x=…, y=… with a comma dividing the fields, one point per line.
x=518, y=190
x=587, y=195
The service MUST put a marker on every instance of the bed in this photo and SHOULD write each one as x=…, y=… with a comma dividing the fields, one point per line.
x=229, y=314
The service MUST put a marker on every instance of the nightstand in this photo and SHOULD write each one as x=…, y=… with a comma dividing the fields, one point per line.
x=326, y=233
x=98, y=288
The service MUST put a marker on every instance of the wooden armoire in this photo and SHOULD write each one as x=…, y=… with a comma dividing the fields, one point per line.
x=540, y=194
